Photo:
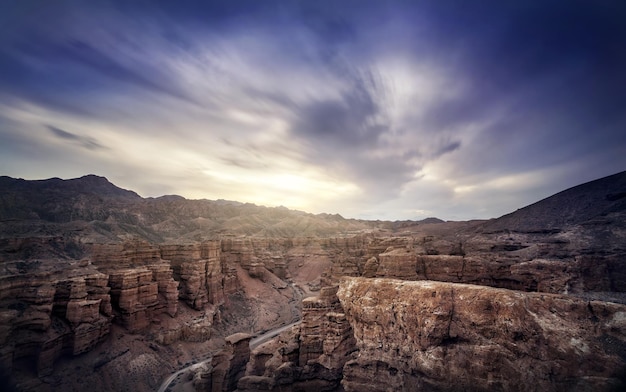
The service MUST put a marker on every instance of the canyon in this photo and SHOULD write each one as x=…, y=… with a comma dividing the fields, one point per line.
x=102, y=289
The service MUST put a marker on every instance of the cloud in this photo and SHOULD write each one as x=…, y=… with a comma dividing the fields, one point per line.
x=355, y=119
x=447, y=147
x=363, y=108
x=84, y=54
x=346, y=136
x=244, y=163
x=83, y=141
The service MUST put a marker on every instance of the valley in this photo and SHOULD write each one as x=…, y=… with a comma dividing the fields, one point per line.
x=102, y=289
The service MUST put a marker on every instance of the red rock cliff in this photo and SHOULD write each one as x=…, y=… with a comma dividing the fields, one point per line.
x=441, y=336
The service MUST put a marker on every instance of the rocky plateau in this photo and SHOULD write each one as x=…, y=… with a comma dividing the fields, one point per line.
x=101, y=289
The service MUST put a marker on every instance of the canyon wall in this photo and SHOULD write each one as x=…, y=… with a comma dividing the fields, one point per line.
x=66, y=307
x=310, y=357
x=49, y=309
x=55, y=307
x=530, y=301
x=483, y=313
x=571, y=273
x=441, y=336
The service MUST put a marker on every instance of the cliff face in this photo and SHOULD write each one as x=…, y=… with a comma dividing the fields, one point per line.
x=200, y=270
x=569, y=261
x=388, y=334
x=311, y=356
x=51, y=308
x=227, y=366
x=55, y=308
x=67, y=307
x=441, y=336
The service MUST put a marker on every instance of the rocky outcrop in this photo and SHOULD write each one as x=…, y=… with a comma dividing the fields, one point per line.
x=226, y=367
x=315, y=357
x=134, y=296
x=50, y=308
x=576, y=273
x=441, y=336
x=311, y=356
x=142, y=283
x=348, y=254
x=167, y=287
x=127, y=254
x=326, y=337
x=200, y=270
x=274, y=365
x=78, y=255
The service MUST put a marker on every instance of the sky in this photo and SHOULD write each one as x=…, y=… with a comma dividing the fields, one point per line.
x=386, y=110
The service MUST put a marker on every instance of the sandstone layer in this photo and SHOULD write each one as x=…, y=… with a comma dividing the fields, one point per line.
x=440, y=336
x=54, y=309
x=310, y=357
x=48, y=309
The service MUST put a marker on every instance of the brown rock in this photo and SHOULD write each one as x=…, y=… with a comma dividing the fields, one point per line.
x=135, y=295
x=97, y=289
x=199, y=268
x=255, y=383
x=371, y=267
x=441, y=336
x=229, y=364
x=83, y=311
x=167, y=287
x=309, y=357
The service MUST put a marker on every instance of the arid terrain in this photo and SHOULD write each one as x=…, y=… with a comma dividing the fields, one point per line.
x=103, y=290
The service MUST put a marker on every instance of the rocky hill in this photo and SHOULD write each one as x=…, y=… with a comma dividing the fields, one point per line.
x=96, y=211
x=599, y=201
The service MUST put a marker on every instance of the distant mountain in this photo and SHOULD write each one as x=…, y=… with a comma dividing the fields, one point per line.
x=430, y=220
x=92, y=209
x=56, y=200
x=97, y=211
x=89, y=184
x=594, y=202
x=404, y=225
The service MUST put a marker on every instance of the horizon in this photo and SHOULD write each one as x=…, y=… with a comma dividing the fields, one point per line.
x=372, y=111
x=443, y=219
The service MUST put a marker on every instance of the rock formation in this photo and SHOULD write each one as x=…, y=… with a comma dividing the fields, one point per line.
x=311, y=357
x=199, y=269
x=515, y=303
x=528, y=321
x=441, y=336
x=226, y=367
x=50, y=309
x=65, y=307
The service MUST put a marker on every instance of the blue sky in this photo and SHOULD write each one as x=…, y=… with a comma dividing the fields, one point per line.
x=370, y=109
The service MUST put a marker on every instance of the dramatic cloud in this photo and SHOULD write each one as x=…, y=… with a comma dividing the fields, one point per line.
x=83, y=141
x=381, y=110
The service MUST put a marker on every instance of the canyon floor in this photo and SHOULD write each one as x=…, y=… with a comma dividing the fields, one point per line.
x=103, y=290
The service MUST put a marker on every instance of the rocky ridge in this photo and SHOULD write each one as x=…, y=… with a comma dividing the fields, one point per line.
x=91, y=209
